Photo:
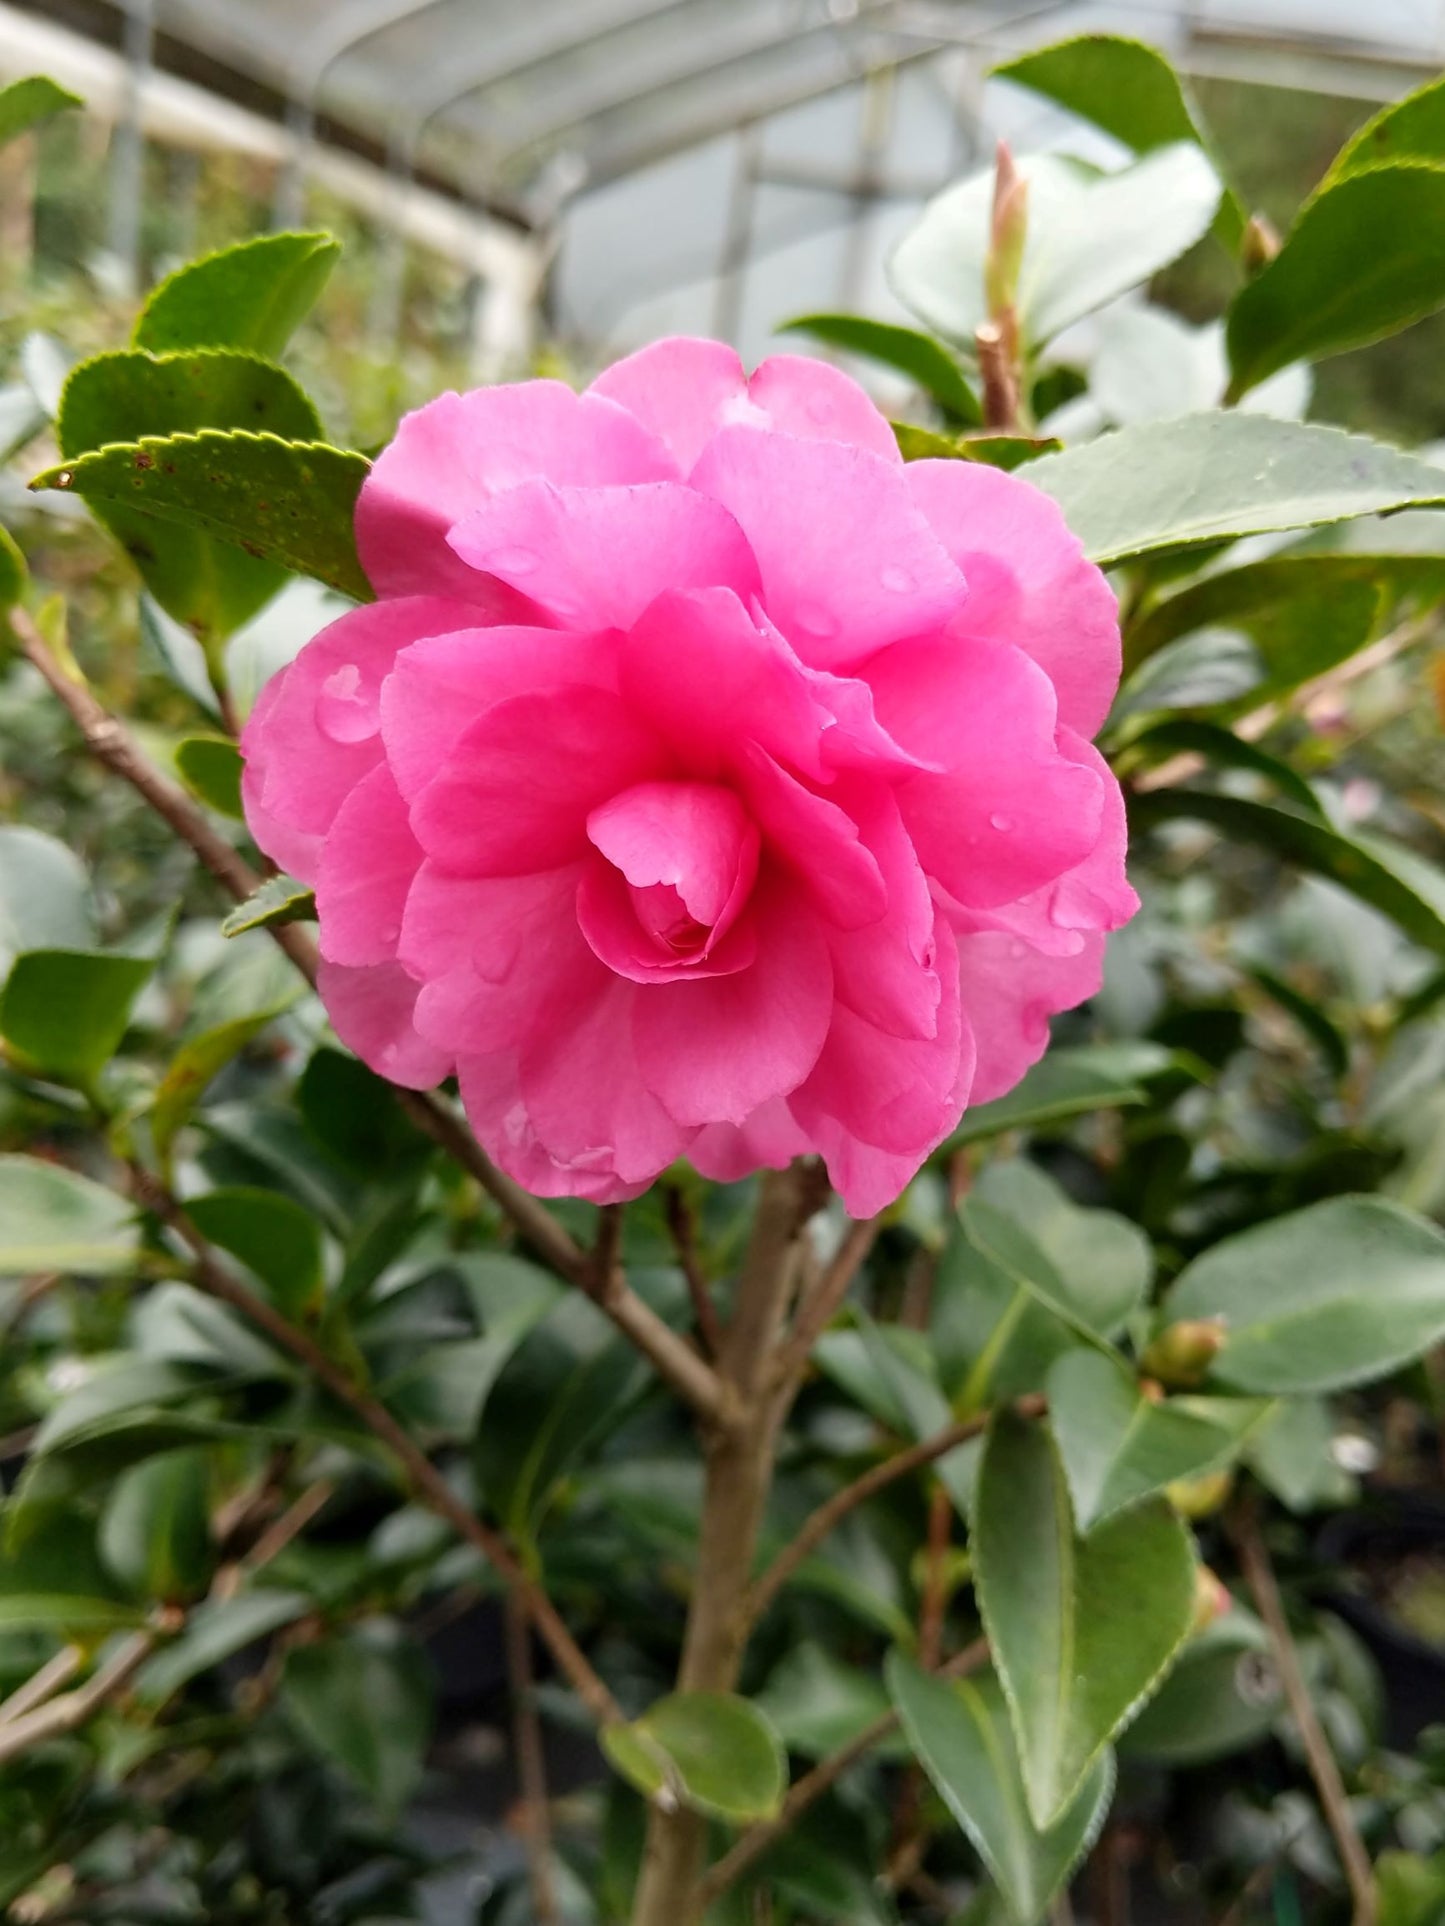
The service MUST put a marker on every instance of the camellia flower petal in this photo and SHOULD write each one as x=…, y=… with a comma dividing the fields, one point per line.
x=705, y=780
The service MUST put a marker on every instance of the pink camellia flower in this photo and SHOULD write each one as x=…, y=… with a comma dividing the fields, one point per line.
x=705, y=781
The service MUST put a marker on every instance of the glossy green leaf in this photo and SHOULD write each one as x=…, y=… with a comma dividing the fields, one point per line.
x=116, y=1386
x=1364, y=260
x=1291, y=1455
x=173, y=652
x=65, y=1011
x=446, y=1388
x=253, y=295
x=195, y=1064
x=287, y=503
x=280, y=899
x=1337, y=1294
x=1408, y=129
x=1091, y=237
x=712, y=1751
x=1187, y=736
x=1105, y=1262
x=25, y=103
x=995, y=451
x=1221, y=1697
x=1118, y=1446
x=44, y=895
x=925, y=361
x=1388, y=877
x=1066, y=1083
x=355, y=1114
x=1167, y=485
x=52, y=1220
x=210, y=767
x=216, y=1630
x=155, y=1532
x=1131, y=91
x=960, y=1735
x=367, y=1707
x=13, y=573
x=208, y=584
x=273, y=1237
x=1082, y=1630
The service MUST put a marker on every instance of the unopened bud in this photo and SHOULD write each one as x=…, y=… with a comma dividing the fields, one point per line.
x=1182, y=1353
x=1008, y=231
x=1212, y=1599
x=1200, y=1497
x=1259, y=245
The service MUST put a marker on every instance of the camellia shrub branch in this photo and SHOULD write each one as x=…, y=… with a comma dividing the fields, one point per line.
x=632, y=1115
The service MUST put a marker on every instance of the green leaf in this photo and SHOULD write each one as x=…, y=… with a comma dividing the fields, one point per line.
x=155, y=1533
x=354, y=1114
x=925, y=361
x=253, y=295
x=1105, y=1262
x=1128, y=89
x=280, y=899
x=1388, y=877
x=1091, y=237
x=52, y=1220
x=24, y=103
x=1338, y=1294
x=446, y=1388
x=1363, y=261
x=1066, y=1083
x=1408, y=129
x=712, y=1751
x=210, y=767
x=1189, y=737
x=1166, y=485
x=367, y=1707
x=1082, y=1630
x=44, y=895
x=211, y=586
x=1302, y=613
x=1330, y=1041
x=960, y=1735
x=194, y=1065
x=13, y=573
x=65, y=1011
x=995, y=451
x=1410, y=1888
x=1221, y=1697
x=1291, y=1456
x=216, y=1630
x=816, y=1704
x=288, y=503
x=57, y=1581
x=273, y=1237
x=1118, y=1446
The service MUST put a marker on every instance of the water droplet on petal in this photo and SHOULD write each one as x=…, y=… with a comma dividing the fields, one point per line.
x=897, y=579
x=1003, y=824
x=346, y=709
x=512, y=561
x=1072, y=944
x=817, y=621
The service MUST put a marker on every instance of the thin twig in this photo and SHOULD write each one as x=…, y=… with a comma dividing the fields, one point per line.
x=535, y=1824
x=684, y=1240
x=817, y=1309
x=55, y=1672
x=427, y=1482
x=292, y=1522
x=112, y=745
x=750, y=1846
x=71, y=1710
x=1259, y=1575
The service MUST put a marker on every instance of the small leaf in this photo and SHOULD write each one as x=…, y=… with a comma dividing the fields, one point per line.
x=273, y=1237
x=44, y=895
x=155, y=1534
x=210, y=767
x=193, y=1066
x=367, y=1707
x=290, y=503
x=1118, y=1447
x=1166, y=485
x=25, y=103
x=1131, y=91
x=996, y=451
x=252, y=295
x=65, y=1011
x=1066, y=1083
x=925, y=361
x=175, y=653
x=280, y=899
x=960, y=1735
x=1337, y=1294
x=712, y=1751
x=1091, y=237
x=52, y=1220
x=1082, y=1630
x=216, y=1630
x=1389, y=878
x=14, y=575
x=1362, y=261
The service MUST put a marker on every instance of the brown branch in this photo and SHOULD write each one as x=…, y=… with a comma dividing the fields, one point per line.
x=71, y=1710
x=1259, y=1575
x=684, y=1239
x=114, y=747
x=426, y=1481
x=817, y=1309
x=535, y=1824
x=750, y=1846
x=42, y=1685
x=999, y=377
